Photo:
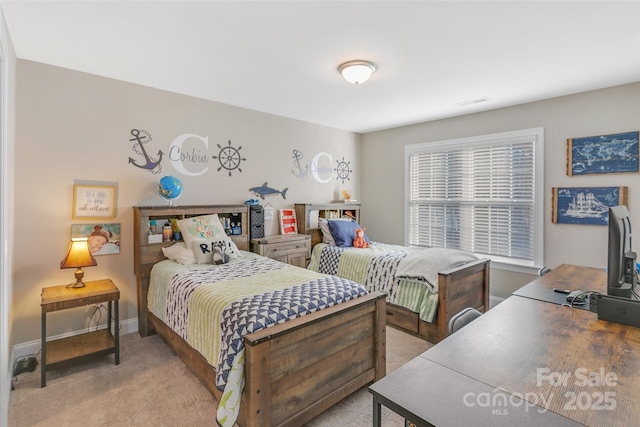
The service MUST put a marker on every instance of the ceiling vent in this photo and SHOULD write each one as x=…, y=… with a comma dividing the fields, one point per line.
x=472, y=101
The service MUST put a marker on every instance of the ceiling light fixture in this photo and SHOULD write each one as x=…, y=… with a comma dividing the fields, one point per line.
x=357, y=72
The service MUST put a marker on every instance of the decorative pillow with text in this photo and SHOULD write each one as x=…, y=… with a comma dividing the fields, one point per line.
x=206, y=227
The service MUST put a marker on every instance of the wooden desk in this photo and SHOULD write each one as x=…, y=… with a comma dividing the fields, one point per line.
x=545, y=353
x=566, y=277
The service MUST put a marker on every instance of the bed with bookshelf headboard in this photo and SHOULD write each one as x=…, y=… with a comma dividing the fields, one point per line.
x=294, y=370
x=458, y=286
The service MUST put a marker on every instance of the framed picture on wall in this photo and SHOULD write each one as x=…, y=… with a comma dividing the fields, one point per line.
x=585, y=205
x=103, y=239
x=94, y=201
x=616, y=153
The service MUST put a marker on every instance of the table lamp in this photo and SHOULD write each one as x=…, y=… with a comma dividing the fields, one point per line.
x=77, y=257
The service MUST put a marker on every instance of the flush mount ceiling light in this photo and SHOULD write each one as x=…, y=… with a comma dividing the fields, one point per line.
x=357, y=72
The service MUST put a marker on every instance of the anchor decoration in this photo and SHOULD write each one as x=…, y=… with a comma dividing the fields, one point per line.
x=343, y=170
x=142, y=137
x=229, y=158
x=297, y=155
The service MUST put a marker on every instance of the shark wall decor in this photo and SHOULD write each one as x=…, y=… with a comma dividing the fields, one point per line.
x=265, y=190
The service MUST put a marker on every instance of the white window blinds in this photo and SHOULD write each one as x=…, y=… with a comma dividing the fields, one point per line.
x=476, y=194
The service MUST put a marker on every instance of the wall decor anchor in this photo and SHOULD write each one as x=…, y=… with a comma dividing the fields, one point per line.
x=297, y=155
x=343, y=170
x=229, y=158
x=151, y=164
x=265, y=190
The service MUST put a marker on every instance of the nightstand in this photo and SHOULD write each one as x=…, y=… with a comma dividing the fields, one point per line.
x=292, y=249
x=83, y=346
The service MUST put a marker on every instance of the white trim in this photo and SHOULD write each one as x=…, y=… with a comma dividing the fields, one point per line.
x=5, y=264
x=538, y=226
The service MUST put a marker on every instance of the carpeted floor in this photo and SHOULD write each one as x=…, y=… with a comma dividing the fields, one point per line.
x=152, y=387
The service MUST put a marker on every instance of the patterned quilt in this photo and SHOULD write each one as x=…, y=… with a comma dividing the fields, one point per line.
x=376, y=267
x=214, y=307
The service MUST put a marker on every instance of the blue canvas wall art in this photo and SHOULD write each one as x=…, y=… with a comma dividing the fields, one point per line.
x=585, y=205
x=616, y=153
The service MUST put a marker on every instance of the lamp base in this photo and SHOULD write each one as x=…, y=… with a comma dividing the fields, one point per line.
x=78, y=284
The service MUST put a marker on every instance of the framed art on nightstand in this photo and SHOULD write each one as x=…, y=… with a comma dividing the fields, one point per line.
x=94, y=201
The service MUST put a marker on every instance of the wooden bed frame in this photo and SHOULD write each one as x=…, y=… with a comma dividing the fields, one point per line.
x=293, y=371
x=458, y=288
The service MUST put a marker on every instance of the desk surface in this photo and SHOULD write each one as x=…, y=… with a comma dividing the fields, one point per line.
x=559, y=358
x=566, y=277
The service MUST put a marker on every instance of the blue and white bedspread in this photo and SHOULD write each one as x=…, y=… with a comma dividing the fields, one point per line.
x=409, y=276
x=258, y=312
x=213, y=307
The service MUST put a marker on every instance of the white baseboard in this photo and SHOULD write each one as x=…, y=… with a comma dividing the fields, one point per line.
x=33, y=347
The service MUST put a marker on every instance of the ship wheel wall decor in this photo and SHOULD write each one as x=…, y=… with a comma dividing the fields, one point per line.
x=343, y=170
x=229, y=158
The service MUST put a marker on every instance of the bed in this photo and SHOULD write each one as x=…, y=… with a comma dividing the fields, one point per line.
x=294, y=370
x=421, y=310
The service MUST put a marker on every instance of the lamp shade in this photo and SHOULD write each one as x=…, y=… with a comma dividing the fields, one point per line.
x=357, y=72
x=78, y=256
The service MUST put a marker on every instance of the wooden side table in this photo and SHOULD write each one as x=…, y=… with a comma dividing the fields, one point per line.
x=292, y=249
x=83, y=346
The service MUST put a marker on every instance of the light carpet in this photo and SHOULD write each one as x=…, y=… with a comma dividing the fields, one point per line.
x=152, y=387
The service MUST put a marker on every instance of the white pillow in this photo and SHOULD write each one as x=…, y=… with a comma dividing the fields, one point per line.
x=179, y=253
x=205, y=250
x=326, y=233
x=207, y=227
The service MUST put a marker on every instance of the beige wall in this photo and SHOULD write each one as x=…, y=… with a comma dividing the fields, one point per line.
x=77, y=126
x=591, y=113
x=72, y=125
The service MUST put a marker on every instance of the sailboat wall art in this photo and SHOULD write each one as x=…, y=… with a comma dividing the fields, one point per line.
x=585, y=205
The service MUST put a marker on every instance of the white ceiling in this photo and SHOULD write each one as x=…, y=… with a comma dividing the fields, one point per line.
x=281, y=57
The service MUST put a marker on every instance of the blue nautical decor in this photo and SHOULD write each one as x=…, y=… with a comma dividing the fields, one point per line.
x=300, y=173
x=265, y=190
x=152, y=164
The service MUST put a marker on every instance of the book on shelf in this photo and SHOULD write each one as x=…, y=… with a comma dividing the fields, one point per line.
x=288, y=223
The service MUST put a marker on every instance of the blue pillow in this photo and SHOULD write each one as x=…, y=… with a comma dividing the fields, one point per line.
x=344, y=232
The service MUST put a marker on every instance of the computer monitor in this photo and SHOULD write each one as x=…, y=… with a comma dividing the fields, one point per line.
x=621, y=268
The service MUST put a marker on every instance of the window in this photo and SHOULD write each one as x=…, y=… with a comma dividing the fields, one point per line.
x=480, y=194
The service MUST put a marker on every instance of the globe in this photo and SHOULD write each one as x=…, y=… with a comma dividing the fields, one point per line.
x=169, y=189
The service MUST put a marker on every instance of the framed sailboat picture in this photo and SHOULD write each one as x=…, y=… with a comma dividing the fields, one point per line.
x=585, y=205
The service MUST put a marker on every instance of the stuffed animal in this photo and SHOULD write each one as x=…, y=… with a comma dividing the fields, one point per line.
x=359, y=241
x=220, y=253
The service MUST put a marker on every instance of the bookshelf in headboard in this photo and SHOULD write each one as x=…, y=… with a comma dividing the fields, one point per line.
x=146, y=254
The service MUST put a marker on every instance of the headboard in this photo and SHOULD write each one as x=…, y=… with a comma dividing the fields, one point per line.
x=146, y=254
